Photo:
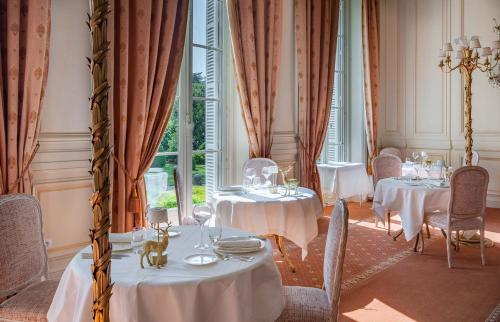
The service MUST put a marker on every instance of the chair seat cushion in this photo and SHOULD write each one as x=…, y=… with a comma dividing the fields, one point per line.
x=440, y=220
x=305, y=304
x=30, y=304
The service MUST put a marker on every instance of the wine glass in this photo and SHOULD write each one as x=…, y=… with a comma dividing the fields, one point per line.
x=424, y=156
x=201, y=214
x=415, y=156
x=266, y=172
x=250, y=174
x=215, y=229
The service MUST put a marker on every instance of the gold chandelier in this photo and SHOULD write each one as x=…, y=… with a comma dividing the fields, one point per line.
x=470, y=57
x=494, y=74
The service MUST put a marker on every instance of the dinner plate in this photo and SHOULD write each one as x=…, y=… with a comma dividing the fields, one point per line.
x=121, y=247
x=200, y=259
x=173, y=233
x=236, y=250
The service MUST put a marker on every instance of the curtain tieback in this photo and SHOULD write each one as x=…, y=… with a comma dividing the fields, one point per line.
x=25, y=169
x=134, y=202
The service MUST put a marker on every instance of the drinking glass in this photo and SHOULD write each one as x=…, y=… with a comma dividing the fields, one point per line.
x=138, y=235
x=201, y=214
x=266, y=172
x=415, y=156
x=250, y=174
x=215, y=230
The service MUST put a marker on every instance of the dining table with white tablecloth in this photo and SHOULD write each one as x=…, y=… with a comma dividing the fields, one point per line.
x=227, y=290
x=262, y=212
x=412, y=199
x=344, y=180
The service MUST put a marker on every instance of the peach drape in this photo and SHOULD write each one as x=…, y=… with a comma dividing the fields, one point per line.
x=370, y=35
x=148, y=47
x=316, y=25
x=24, y=62
x=256, y=32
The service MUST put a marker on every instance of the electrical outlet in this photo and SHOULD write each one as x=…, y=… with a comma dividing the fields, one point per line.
x=48, y=243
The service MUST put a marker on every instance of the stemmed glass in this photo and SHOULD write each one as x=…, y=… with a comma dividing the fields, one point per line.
x=415, y=156
x=201, y=214
x=250, y=174
x=138, y=235
x=266, y=172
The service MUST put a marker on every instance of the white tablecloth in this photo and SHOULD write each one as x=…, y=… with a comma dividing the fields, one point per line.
x=344, y=180
x=411, y=201
x=225, y=291
x=263, y=213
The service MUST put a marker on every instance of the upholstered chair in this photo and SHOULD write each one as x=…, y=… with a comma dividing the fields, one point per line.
x=183, y=219
x=475, y=158
x=469, y=186
x=392, y=151
x=386, y=166
x=23, y=261
x=258, y=164
x=309, y=304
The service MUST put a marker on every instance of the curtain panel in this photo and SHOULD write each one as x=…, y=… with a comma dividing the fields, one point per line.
x=24, y=62
x=370, y=35
x=316, y=26
x=148, y=38
x=256, y=32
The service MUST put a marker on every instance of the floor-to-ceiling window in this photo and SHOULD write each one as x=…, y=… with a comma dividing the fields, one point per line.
x=192, y=140
x=334, y=148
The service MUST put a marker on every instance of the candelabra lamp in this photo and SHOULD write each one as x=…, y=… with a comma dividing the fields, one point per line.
x=495, y=72
x=469, y=57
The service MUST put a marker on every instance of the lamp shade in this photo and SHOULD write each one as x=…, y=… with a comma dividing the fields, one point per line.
x=496, y=44
x=157, y=215
x=447, y=46
x=474, y=43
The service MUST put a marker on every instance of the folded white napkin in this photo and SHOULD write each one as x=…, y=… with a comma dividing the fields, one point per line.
x=240, y=243
x=120, y=237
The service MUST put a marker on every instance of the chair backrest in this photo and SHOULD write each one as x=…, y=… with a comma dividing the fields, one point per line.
x=385, y=166
x=392, y=151
x=469, y=187
x=178, y=194
x=258, y=164
x=475, y=158
x=336, y=241
x=23, y=257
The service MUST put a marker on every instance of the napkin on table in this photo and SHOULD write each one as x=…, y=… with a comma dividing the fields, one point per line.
x=120, y=237
x=240, y=243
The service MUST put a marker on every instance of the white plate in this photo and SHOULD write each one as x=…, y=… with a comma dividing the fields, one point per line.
x=238, y=251
x=173, y=233
x=121, y=247
x=200, y=259
x=230, y=188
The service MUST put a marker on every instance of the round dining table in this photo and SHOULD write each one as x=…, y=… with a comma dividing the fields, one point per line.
x=229, y=290
x=412, y=199
x=262, y=212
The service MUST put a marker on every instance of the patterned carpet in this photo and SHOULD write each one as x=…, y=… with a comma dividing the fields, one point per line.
x=369, y=251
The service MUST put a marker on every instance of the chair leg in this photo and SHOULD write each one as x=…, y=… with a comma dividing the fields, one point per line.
x=416, y=242
x=448, y=247
x=457, y=244
x=483, y=260
x=428, y=231
x=422, y=237
x=389, y=223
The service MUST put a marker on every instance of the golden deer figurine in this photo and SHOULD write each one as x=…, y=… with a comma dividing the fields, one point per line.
x=156, y=247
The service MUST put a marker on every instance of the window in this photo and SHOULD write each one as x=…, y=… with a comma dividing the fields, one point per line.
x=334, y=148
x=195, y=146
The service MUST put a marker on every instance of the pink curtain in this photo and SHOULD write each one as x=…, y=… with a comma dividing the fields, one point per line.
x=316, y=24
x=148, y=45
x=256, y=30
x=24, y=62
x=370, y=35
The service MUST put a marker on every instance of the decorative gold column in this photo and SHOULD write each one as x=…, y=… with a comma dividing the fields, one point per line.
x=469, y=61
x=101, y=248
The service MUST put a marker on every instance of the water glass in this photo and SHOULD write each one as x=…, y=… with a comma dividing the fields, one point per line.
x=266, y=172
x=250, y=174
x=138, y=236
x=215, y=230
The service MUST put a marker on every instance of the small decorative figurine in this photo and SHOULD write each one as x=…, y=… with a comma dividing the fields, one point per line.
x=157, y=247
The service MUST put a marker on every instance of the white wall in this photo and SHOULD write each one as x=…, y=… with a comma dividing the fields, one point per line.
x=422, y=108
x=60, y=169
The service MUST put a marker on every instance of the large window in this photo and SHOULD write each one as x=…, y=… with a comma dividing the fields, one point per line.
x=334, y=148
x=192, y=139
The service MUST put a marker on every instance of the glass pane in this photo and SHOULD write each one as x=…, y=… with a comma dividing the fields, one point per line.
x=206, y=72
x=206, y=27
x=205, y=125
x=205, y=169
x=160, y=188
x=170, y=140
